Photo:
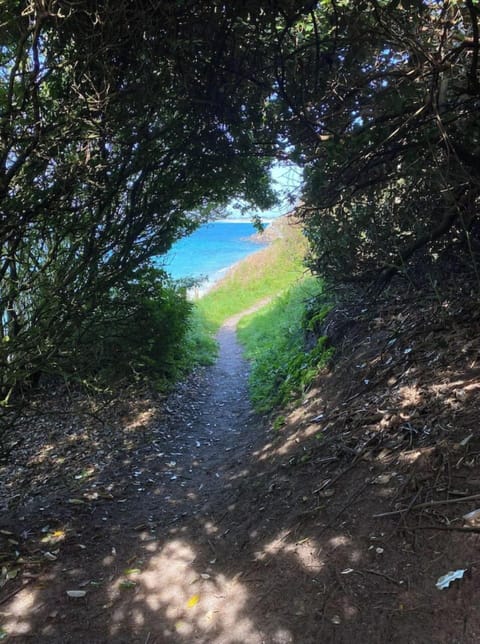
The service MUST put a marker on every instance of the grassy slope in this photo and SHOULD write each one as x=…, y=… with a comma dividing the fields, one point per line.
x=274, y=341
x=274, y=336
x=261, y=275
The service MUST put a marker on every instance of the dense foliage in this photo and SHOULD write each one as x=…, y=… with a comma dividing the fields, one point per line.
x=111, y=148
x=380, y=100
x=123, y=124
x=283, y=367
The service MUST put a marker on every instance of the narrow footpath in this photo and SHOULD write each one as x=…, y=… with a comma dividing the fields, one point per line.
x=146, y=520
x=179, y=557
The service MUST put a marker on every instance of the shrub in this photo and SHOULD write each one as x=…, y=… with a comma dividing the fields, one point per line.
x=139, y=330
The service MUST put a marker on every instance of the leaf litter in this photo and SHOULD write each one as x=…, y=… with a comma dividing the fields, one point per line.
x=410, y=419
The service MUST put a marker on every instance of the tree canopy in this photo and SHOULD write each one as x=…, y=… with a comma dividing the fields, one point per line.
x=112, y=147
x=380, y=102
x=124, y=124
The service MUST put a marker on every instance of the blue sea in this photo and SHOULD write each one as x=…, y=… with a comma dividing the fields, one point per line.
x=211, y=250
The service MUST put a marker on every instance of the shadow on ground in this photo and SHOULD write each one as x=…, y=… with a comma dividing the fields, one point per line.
x=204, y=525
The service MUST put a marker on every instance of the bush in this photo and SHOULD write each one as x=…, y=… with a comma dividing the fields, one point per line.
x=139, y=330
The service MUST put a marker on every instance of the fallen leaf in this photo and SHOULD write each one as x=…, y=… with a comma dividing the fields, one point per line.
x=128, y=583
x=58, y=534
x=132, y=571
x=76, y=502
x=76, y=594
x=193, y=601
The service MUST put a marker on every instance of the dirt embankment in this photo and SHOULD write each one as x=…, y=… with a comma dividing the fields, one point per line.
x=191, y=520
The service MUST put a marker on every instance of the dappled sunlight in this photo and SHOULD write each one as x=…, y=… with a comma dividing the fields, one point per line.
x=17, y=621
x=196, y=525
x=189, y=600
x=304, y=552
x=140, y=420
x=411, y=456
x=410, y=396
x=287, y=440
x=339, y=541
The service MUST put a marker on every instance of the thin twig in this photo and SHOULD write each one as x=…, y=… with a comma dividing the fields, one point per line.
x=450, y=528
x=427, y=504
x=402, y=518
x=330, y=482
x=381, y=574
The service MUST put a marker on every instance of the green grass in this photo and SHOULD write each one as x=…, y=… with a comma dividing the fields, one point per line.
x=262, y=275
x=274, y=336
x=200, y=345
x=274, y=340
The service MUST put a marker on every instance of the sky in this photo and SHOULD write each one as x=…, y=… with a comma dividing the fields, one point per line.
x=287, y=182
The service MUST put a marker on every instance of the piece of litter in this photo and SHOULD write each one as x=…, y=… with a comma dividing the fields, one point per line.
x=347, y=571
x=472, y=517
x=379, y=551
x=336, y=620
x=446, y=580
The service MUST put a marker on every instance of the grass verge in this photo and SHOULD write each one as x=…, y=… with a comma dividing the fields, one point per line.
x=261, y=275
x=274, y=341
x=273, y=337
x=201, y=347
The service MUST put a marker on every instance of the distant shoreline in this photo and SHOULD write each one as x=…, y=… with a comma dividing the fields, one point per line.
x=272, y=232
x=197, y=292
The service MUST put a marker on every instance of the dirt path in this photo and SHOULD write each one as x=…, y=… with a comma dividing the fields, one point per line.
x=189, y=521
x=173, y=560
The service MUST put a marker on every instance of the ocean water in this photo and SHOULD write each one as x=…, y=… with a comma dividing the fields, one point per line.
x=210, y=251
